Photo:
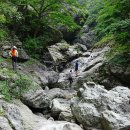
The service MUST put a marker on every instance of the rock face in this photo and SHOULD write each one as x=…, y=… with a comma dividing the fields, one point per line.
x=42, y=99
x=22, y=55
x=62, y=52
x=68, y=35
x=111, y=75
x=101, y=109
x=4, y=124
x=122, y=73
x=60, y=109
x=86, y=37
x=19, y=117
x=49, y=78
x=89, y=63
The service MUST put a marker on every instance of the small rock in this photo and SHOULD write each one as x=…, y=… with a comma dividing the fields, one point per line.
x=46, y=88
x=51, y=119
x=6, y=47
x=2, y=77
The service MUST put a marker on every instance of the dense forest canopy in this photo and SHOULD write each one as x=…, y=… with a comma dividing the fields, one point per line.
x=33, y=20
x=111, y=21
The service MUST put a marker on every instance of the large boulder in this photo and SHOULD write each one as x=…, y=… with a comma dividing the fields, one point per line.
x=12, y=114
x=23, y=56
x=66, y=116
x=120, y=72
x=11, y=40
x=42, y=99
x=4, y=124
x=111, y=75
x=86, y=37
x=59, y=106
x=96, y=107
x=89, y=63
x=49, y=78
x=62, y=52
x=19, y=117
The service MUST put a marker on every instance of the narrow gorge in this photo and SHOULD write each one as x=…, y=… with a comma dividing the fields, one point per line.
x=39, y=94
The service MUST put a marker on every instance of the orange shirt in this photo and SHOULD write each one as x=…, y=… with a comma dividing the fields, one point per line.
x=13, y=52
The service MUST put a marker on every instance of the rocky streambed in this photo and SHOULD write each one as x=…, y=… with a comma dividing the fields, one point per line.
x=54, y=105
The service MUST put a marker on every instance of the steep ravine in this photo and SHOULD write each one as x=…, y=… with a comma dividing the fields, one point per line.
x=42, y=98
x=89, y=105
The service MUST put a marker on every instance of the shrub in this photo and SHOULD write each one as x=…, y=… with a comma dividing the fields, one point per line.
x=104, y=41
x=15, y=85
x=3, y=34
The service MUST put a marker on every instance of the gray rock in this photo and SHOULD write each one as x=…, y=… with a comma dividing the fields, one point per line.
x=51, y=119
x=3, y=77
x=115, y=121
x=52, y=78
x=47, y=78
x=42, y=98
x=86, y=54
x=86, y=37
x=19, y=112
x=60, y=125
x=13, y=115
x=22, y=55
x=101, y=109
x=57, y=107
x=46, y=88
x=5, y=54
x=85, y=29
x=121, y=72
x=3, y=65
x=2, y=96
x=6, y=47
x=4, y=124
x=66, y=116
x=62, y=52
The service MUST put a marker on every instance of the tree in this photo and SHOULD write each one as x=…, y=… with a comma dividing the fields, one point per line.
x=37, y=13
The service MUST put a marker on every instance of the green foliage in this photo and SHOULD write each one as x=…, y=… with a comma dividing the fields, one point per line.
x=21, y=85
x=14, y=85
x=93, y=7
x=4, y=90
x=1, y=111
x=2, y=59
x=104, y=41
x=3, y=34
x=39, y=12
x=29, y=19
x=117, y=51
x=112, y=20
x=62, y=19
x=9, y=12
x=2, y=19
x=32, y=44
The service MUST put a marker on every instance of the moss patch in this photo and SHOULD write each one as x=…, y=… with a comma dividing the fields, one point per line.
x=104, y=41
x=15, y=84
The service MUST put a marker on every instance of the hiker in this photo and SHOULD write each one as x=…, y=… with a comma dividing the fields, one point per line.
x=70, y=78
x=14, y=54
x=76, y=68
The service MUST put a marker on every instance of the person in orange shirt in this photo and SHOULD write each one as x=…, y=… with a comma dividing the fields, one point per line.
x=14, y=54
